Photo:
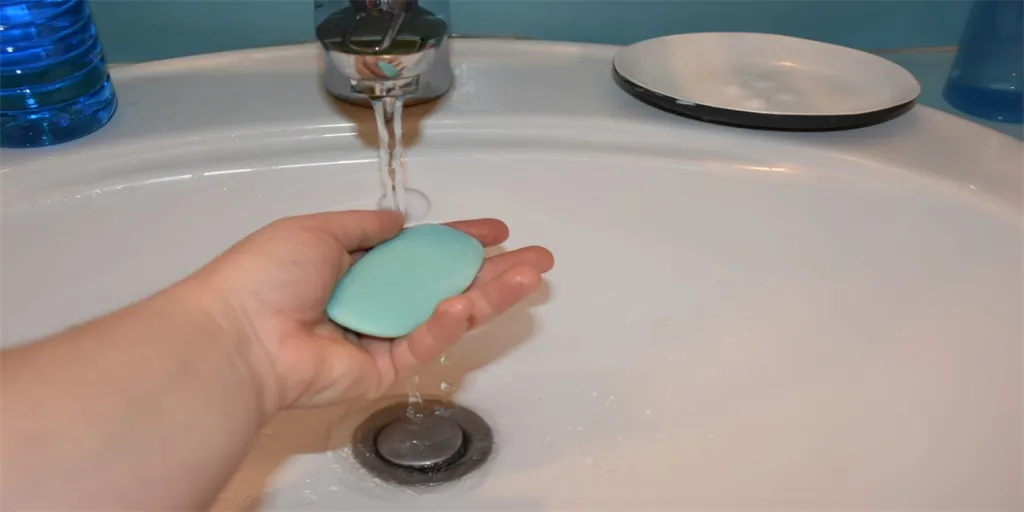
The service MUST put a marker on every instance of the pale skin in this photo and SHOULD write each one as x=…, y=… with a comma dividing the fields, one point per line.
x=154, y=406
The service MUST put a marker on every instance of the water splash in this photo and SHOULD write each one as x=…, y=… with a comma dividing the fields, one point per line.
x=415, y=409
x=309, y=497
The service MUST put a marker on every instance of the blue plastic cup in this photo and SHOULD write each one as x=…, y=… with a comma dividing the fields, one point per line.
x=987, y=78
x=54, y=85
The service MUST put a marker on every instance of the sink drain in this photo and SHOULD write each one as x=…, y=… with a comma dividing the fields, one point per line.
x=441, y=443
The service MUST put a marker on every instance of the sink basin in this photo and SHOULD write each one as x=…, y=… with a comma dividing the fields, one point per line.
x=738, y=319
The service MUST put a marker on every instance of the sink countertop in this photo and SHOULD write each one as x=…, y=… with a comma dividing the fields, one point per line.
x=930, y=66
x=172, y=100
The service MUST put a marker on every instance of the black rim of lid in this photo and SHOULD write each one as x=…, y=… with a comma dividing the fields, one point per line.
x=759, y=120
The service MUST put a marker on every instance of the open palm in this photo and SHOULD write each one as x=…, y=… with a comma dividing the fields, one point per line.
x=277, y=282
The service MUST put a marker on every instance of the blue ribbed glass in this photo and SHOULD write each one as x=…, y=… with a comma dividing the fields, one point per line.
x=987, y=78
x=54, y=85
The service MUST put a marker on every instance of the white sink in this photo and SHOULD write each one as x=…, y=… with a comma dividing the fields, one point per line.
x=737, y=320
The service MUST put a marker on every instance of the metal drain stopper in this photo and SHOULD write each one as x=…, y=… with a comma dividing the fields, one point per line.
x=423, y=443
x=441, y=444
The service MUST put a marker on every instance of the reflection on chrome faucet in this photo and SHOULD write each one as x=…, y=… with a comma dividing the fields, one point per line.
x=372, y=67
x=376, y=49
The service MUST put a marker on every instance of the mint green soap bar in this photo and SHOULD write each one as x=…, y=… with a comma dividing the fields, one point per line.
x=388, y=69
x=397, y=284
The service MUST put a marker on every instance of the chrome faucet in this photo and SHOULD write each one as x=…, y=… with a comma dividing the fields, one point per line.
x=383, y=49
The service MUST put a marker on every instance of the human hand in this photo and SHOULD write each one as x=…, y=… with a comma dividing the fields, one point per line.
x=272, y=288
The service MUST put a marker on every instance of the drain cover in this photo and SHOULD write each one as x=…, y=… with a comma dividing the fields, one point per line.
x=421, y=442
x=441, y=443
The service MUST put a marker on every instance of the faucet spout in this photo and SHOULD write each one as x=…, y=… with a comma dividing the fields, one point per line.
x=375, y=49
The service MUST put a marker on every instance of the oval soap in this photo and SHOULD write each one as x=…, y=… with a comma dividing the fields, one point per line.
x=397, y=284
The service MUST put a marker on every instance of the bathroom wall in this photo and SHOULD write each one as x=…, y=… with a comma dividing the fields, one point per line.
x=140, y=30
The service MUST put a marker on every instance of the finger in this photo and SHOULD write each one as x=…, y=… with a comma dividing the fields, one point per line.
x=494, y=297
x=449, y=322
x=355, y=230
x=487, y=231
x=535, y=257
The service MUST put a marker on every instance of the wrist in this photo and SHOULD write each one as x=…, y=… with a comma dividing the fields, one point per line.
x=230, y=335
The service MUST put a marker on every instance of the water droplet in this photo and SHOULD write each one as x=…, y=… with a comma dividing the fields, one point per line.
x=445, y=386
x=333, y=488
x=309, y=497
x=647, y=412
x=444, y=359
x=267, y=431
x=414, y=411
x=589, y=460
x=593, y=393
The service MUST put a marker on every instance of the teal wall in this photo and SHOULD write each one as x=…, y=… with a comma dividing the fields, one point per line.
x=139, y=30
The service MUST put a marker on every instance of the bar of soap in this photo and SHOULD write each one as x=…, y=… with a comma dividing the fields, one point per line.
x=388, y=69
x=397, y=284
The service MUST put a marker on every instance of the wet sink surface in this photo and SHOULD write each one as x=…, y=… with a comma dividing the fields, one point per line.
x=738, y=319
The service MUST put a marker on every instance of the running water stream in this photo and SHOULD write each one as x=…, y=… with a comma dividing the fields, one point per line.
x=397, y=196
